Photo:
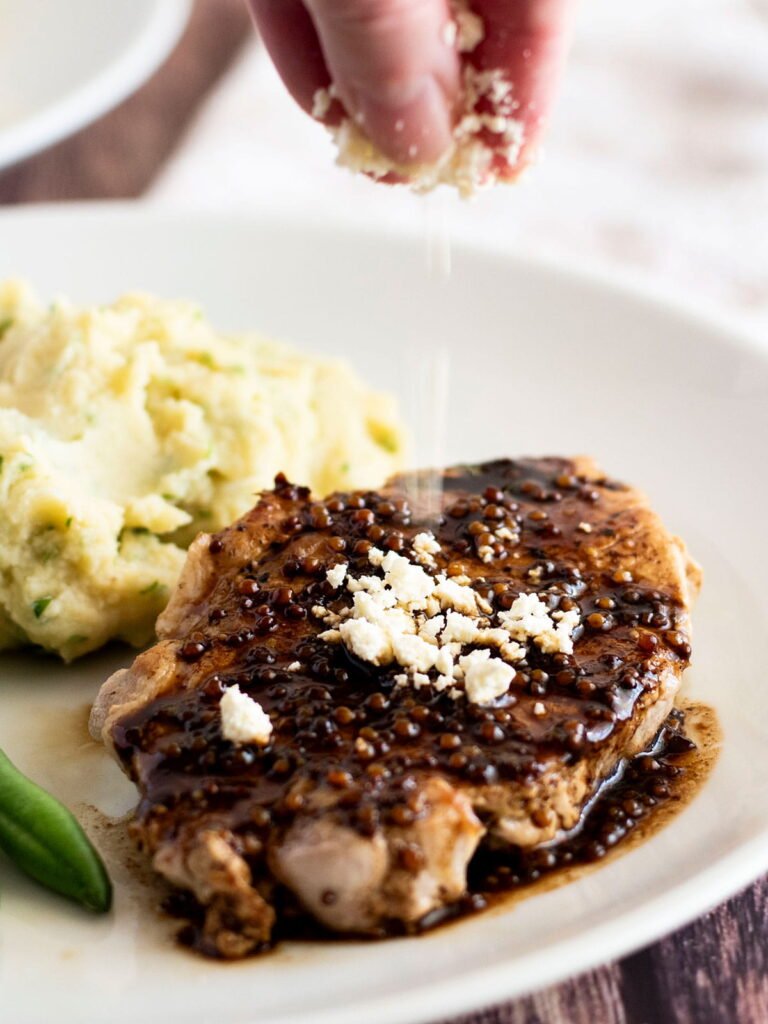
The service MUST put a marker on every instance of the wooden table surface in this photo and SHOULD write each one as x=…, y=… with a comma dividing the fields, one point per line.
x=713, y=972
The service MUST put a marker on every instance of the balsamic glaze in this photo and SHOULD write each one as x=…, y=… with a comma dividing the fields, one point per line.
x=343, y=726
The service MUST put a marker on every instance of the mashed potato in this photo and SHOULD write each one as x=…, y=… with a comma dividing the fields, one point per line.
x=126, y=429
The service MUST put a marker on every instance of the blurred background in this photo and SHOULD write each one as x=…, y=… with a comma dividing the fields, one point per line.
x=656, y=161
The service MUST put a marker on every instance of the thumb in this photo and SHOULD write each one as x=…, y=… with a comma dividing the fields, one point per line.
x=395, y=70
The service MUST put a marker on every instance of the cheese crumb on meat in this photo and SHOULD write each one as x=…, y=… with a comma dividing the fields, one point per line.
x=243, y=720
x=410, y=584
x=451, y=594
x=459, y=629
x=367, y=640
x=424, y=548
x=336, y=574
x=529, y=618
x=425, y=623
x=485, y=678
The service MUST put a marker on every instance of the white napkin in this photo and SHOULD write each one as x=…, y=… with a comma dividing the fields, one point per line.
x=656, y=161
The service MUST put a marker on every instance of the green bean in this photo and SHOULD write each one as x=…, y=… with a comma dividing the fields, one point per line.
x=43, y=839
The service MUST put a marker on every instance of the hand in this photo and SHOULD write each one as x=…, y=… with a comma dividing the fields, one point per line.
x=396, y=70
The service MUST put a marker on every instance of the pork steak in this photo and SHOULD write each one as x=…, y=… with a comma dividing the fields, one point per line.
x=368, y=800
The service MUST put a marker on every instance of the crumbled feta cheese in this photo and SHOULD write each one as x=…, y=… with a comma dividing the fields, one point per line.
x=450, y=594
x=485, y=678
x=367, y=640
x=432, y=628
x=566, y=624
x=486, y=132
x=376, y=556
x=324, y=614
x=528, y=616
x=459, y=629
x=414, y=653
x=512, y=651
x=444, y=662
x=424, y=548
x=321, y=102
x=376, y=607
x=425, y=623
x=470, y=29
x=485, y=553
x=568, y=619
x=243, y=720
x=373, y=584
x=504, y=533
x=410, y=584
x=539, y=709
x=295, y=666
x=552, y=642
x=584, y=527
x=496, y=637
x=336, y=574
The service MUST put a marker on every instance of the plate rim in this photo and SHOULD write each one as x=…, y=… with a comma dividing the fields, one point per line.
x=477, y=988
x=630, y=283
x=79, y=107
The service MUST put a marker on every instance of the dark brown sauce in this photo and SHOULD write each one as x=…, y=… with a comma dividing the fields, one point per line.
x=343, y=730
x=652, y=789
x=647, y=793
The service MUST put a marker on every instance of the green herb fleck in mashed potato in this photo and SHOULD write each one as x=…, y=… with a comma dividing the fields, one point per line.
x=126, y=429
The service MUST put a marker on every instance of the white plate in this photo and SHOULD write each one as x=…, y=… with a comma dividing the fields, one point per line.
x=64, y=64
x=546, y=359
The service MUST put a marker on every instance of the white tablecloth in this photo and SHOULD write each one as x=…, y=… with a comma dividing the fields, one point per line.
x=656, y=161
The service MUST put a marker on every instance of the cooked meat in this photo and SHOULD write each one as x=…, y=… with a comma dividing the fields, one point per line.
x=370, y=797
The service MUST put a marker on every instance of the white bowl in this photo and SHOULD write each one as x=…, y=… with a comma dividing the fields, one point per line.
x=62, y=65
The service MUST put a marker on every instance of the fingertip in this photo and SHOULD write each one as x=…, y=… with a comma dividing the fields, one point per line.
x=395, y=70
x=289, y=35
x=415, y=132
